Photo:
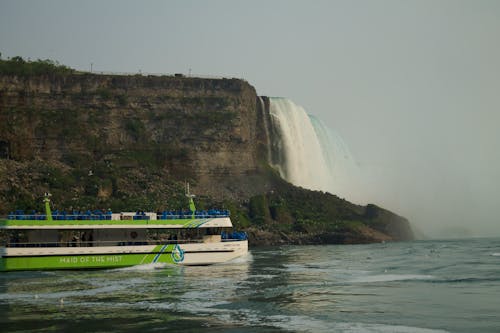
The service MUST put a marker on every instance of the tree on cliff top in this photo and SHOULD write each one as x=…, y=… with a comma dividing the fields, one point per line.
x=18, y=66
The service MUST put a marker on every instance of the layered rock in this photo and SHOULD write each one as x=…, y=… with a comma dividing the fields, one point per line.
x=204, y=130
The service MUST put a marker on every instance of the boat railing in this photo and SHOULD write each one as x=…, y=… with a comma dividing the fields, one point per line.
x=100, y=243
x=176, y=215
x=109, y=216
x=43, y=217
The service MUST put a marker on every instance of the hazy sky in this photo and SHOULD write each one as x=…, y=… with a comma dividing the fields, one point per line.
x=412, y=86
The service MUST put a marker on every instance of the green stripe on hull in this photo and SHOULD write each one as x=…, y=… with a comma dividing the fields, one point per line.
x=87, y=261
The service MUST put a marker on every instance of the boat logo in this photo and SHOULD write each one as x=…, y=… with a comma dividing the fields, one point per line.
x=177, y=254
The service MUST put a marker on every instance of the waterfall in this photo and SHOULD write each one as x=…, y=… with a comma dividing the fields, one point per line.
x=309, y=154
x=263, y=114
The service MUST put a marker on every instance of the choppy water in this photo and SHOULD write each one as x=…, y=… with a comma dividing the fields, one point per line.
x=426, y=286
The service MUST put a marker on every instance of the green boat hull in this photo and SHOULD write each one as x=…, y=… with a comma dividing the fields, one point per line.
x=168, y=254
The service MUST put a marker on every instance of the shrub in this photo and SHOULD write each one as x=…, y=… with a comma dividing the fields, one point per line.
x=19, y=66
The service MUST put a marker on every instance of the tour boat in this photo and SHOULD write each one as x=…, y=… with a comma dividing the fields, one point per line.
x=102, y=239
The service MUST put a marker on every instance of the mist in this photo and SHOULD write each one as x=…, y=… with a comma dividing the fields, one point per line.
x=424, y=121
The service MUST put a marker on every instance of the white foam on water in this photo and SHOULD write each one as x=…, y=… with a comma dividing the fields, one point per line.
x=381, y=328
x=150, y=305
x=262, y=276
x=390, y=278
x=200, y=307
x=89, y=287
x=203, y=305
x=308, y=269
x=145, y=267
x=244, y=259
x=39, y=297
x=309, y=324
x=496, y=254
x=299, y=323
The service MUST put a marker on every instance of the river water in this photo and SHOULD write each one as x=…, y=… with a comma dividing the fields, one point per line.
x=422, y=286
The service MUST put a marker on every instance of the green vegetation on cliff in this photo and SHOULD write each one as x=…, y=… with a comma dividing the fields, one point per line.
x=21, y=67
x=302, y=216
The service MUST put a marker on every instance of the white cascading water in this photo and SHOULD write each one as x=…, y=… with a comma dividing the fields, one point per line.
x=309, y=154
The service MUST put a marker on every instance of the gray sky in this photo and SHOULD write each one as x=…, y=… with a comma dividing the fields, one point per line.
x=412, y=86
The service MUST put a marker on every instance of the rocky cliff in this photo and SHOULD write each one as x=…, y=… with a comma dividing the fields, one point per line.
x=130, y=142
x=128, y=134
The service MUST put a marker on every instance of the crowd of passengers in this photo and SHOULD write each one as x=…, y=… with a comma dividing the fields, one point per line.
x=106, y=215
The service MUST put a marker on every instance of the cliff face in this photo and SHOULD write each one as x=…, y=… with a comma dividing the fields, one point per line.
x=130, y=142
x=125, y=132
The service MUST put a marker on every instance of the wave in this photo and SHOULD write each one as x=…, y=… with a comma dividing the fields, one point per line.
x=308, y=324
x=469, y=280
x=390, y=278
x=381, y=328
x=496, y=254
x=58, y=295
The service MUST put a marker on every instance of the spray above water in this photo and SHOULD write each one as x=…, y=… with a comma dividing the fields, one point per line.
x=307, y=153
